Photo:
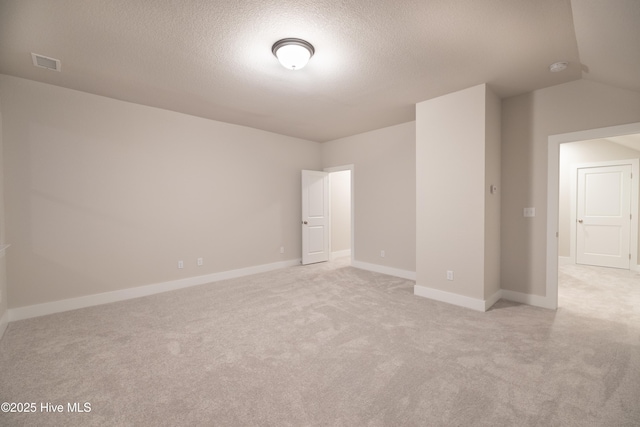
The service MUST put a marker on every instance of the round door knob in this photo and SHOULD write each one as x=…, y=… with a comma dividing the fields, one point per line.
x=580, y=221
x=304, y=222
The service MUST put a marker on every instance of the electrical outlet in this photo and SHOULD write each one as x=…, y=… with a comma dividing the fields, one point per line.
x=281, y=249
x=180, y=264
x=382, y=254
x=200, y=261
x=449, y=275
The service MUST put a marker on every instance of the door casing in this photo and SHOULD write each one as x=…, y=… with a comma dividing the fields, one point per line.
x=349, y=167
x=550, y=300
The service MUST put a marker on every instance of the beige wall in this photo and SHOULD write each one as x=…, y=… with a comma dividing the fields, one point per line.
x=575, y=153
x=384, y=192
x=3, y=275
x=340, y=211
x=450, y=192
x=103, y=195
x=527, y=122
x=492, y=201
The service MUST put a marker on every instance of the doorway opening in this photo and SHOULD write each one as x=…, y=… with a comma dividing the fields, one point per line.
x=341, y=208
x=558, y=227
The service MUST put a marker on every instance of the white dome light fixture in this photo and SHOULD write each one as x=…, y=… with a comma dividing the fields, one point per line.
x=556, y=67
x=293, y=53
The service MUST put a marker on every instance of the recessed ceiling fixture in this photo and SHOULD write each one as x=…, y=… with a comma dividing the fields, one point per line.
x=293, y=53
x=558, y=66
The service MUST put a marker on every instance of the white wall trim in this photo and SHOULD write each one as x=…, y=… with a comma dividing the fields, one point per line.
x=553, y=177
x=450, y=298
x=489, y=302
x=37, y=310
x=480, y=305
x=396, y=272
x=4, y=322
x=529, y=299
x=340, y=254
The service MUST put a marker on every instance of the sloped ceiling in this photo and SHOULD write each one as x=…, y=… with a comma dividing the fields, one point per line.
x=374, y=59
x=629, y=141
x=608, y=34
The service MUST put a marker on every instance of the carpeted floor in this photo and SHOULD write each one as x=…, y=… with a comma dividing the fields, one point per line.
x=332, y=345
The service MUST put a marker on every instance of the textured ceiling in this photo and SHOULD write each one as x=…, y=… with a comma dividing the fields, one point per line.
x=608, y=33
x=374, y=59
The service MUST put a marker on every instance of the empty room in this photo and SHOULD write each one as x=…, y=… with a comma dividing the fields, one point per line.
x=417, y=213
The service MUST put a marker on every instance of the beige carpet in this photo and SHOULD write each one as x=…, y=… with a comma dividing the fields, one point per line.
x=331, y=345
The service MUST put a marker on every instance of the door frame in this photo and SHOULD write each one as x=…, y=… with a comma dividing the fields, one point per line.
x=553, y=177
x=633, y=238
x=349, y=167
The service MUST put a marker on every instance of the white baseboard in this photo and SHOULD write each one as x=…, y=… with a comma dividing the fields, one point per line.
x=396, y=272
x=4, y=322
x=528, y=299
x=37, y=310
x=565, y=260
x=488, y=303
x=140, y=291
x=450, y=298
x=482, y=305
x=340, y=254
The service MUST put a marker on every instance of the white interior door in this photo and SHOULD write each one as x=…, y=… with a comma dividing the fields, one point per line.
x=603, y=225
x=315, y=216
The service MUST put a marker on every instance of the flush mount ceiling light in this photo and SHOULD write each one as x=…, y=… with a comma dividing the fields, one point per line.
x=558, y=66
x=293, y=53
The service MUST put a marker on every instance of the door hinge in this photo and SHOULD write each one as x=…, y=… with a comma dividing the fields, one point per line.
x=629, y=256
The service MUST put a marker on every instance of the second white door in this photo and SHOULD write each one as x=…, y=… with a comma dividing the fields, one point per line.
x=603, y=225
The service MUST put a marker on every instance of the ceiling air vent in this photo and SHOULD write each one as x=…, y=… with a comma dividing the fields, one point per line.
x=45, y=62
